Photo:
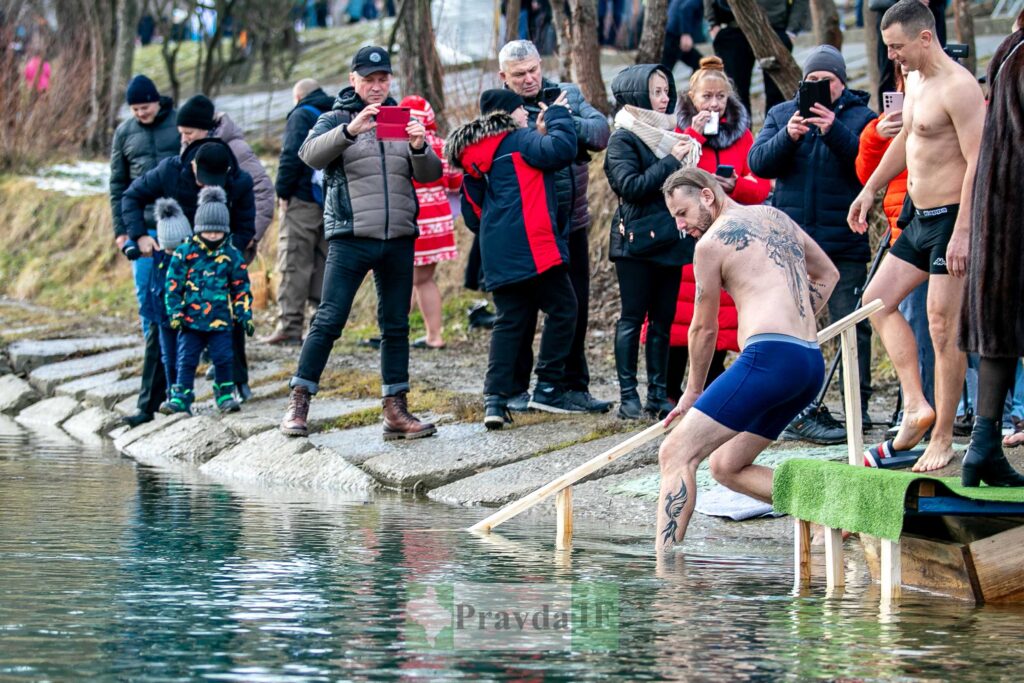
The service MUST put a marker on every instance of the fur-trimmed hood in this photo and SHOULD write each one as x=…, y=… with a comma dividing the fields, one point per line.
x=731, y=127
x=471, y=146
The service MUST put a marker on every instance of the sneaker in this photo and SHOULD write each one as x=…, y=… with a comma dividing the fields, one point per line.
x=496, y=413
x=137, y=419
x=480, y=316
x=244, y=393
x=963, y=425
x=817, y=426
x=552, y=399
x=589, y=404
x=520, y=403
x=223, y=396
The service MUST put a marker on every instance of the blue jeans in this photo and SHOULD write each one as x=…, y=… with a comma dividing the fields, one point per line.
x=169, y=354
x=915, y=311
x=191, y=344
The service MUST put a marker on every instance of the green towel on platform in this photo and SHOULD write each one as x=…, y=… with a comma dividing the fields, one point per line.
x=862, y=499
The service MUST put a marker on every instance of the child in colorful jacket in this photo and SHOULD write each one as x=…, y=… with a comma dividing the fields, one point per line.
x=207, y=293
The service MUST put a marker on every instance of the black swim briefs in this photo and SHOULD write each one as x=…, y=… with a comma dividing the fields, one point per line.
x=923, y=242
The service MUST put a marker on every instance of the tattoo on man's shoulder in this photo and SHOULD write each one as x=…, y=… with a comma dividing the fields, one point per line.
x=674, y=503
x=781, y=243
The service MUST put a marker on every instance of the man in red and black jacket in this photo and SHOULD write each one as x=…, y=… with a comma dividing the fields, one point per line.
x=510, y=200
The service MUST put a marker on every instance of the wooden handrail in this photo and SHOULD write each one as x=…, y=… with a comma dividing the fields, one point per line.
x=630, y=444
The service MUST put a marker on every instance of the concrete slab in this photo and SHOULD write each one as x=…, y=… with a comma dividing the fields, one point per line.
x=129, y=406
x=273, y=458
x=194, y=440
x=91, y=422
x=125, y=439
x=47, y=377
x=259, y=416
x=49, y=412
x=28, y=354
x=10, y=431
x=108, y=395
x=457, y=451
x=502, y=485
x=16, y=394
x=77, y=388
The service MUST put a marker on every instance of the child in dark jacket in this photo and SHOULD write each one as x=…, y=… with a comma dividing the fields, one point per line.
x=172, y=230
x=510, y=196
x=207, y=294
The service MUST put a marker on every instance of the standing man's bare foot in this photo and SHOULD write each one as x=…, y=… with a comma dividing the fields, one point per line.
x=936, y=456
x=915, y=425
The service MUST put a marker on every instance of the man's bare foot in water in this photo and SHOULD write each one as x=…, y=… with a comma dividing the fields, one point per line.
x=937, y=455
x=915, y=425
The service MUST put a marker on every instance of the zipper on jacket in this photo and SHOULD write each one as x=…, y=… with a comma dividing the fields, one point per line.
x=384, y=171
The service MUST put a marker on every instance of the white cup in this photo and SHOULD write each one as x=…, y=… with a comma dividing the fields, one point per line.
x=711, y=127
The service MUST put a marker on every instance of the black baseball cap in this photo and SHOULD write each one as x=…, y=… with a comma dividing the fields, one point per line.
x=213, y=162
x=371, y=59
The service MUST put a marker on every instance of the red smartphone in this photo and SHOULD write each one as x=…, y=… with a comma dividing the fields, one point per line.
x=391, y=123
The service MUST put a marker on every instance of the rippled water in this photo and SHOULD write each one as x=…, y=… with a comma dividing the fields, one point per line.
x=109, y=570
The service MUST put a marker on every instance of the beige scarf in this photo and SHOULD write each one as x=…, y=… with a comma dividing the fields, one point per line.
x=657, y=131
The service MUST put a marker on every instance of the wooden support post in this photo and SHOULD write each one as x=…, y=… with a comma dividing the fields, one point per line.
x=851, y=396
x=892, y=572
x=563, y=507
x=834, y=574
x=801, y=551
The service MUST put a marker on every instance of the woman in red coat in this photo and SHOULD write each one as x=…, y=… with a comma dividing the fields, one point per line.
x=711, y=97
x=436, y=241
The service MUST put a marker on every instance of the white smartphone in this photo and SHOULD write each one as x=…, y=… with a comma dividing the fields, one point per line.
x=892, y=103
x=711, y=127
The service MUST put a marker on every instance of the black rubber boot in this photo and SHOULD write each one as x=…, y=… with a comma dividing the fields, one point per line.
x=985, y=461
x=658, y=404
x=627, y=349
x=629, y=406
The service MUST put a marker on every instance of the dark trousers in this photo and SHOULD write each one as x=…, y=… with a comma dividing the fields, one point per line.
x=240, y=367
x=169, y=353
x=517, y=306
x=190, y=346
x=646, y=291
x=731, y=45
x=349, y=259
x=671, y=53
x=577, y=372
x=843, y=302
x=678, y=359
x=154, y=380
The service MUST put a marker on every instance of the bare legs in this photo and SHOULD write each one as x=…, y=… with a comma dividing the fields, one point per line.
x=428, y=296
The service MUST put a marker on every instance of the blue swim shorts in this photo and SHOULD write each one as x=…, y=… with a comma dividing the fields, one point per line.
x=774, y=378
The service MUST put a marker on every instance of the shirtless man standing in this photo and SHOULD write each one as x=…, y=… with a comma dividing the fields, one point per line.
x=780, y=279
x=943, y=116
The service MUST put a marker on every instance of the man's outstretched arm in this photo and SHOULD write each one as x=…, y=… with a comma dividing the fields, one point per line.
x=822, y=275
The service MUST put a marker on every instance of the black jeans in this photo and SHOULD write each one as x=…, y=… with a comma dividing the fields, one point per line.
x=349, y=259
x=672, y=53
x=843, y=302
x=679, y=358
x=731, y=45
x=646, y=291
x=517, y=306
x=154, y=379
x=577, y=372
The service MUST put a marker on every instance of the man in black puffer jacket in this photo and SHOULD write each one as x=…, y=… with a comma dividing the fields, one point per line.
x=812, y=162
x=140, y=142
x=521, y=73
x=301, y=246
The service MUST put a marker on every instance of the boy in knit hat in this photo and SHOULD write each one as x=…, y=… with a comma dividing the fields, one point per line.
x=207, y=294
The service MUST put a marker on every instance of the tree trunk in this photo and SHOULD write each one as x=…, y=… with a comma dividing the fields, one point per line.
x=512, y=20
x=126, y=15
x=825, y=18
x=771, y=54
x=871, y=38
x=652, y=38
x=421, y=64
x=563, y=30
x=586, y=54
x=965, y=32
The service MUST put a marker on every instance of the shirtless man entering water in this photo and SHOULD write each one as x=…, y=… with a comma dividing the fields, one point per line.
x=779, y=278
x=943, y=116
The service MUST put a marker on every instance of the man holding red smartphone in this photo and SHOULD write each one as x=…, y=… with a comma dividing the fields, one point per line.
x=370, y=224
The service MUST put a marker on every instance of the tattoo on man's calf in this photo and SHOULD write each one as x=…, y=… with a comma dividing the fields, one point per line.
x=674, y=503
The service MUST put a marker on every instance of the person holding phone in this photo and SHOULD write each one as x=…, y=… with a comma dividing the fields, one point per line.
x=812, y=161
x=370, y=223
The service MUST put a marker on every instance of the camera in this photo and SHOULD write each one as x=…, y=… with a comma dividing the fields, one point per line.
x=131, y=250
x=957, y=50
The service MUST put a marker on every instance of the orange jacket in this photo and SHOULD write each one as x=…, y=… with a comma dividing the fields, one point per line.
x=872, y=148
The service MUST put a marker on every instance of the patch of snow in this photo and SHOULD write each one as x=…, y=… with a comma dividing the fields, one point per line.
x=78, y=179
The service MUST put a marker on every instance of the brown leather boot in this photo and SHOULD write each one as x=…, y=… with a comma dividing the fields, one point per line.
x=399, y=423
x=294, y=422
x=280, y=338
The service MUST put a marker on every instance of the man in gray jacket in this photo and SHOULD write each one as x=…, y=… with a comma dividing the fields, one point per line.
x=370, y=223
x=520, y=71
x=140, y=142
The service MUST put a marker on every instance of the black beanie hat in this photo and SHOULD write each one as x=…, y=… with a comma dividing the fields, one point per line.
x=197, y=112
x=506, y=100
x=141, y=90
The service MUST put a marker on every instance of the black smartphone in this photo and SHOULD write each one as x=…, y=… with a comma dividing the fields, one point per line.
x=724, y=171
x=811, y=93
x=550, y=95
